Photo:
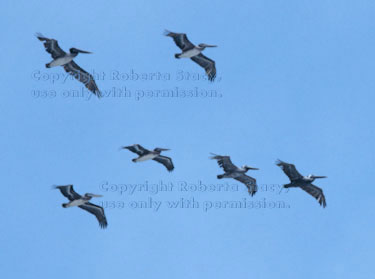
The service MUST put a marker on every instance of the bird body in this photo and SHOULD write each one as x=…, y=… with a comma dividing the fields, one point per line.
x=150, y=156
x=61, y=61
x=303, y=182
x=189, y=53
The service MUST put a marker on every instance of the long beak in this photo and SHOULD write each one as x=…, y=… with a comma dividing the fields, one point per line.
x=96, y=196
x=84, y=51
x=211, y=45
x=164, y=149
x=253, y=169
x=319, y=176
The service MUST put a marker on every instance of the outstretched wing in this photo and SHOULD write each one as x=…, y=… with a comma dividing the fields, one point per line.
x=166, y=161
x=138, y=149
x=250, y=183
x=83, y=76
x=224, y=162
x=51, y=46
x=316, y=192
x=98, y=211
x=289, y=169
x=68, y=192
x=207, y=64
x=180, y=40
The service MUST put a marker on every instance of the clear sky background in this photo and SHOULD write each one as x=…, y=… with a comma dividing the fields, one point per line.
x=295, y=82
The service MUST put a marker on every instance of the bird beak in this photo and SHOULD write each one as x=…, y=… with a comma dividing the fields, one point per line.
x=83, y=51
x=164, y=149
x=319, y=176
x=253, y=168
x=211, y=45
x=96, y=196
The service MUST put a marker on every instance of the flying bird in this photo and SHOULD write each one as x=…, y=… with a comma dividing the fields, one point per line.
x=193, y=52
x=303, y=182
x=83, y=202
x=232, y=171
x=145, y=155
x=61, y=58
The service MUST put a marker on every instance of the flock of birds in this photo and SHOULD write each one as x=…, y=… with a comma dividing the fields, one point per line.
x=194, y=52
x=61, y=58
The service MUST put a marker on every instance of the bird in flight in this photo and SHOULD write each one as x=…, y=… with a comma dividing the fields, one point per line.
x=193, y=52
x=83, y=202
x=303, y=182
x=232, y=171
x=145, y=155
x=61, y=58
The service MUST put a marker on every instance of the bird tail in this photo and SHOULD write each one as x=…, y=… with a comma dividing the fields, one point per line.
x=220, y=176
x=65, y=205
x=177, y=55
x=134, y=160
x=48, y=65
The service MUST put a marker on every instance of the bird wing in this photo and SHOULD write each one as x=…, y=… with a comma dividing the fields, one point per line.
x=180, y=40
x=224, y=162
x=51, y=46
x=207, y=64
x=69, y=192
x=316, y=192
x=289, y=169
x=250, y=183
x=166, y=161
x=138, y=149
x=83, y=76
x=98, y=211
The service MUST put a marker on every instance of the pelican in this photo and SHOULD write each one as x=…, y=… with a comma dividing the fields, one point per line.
x=83, y=202
x=193, y=52
x=303, y=182
x=145, y=155
x=232, y=171
x=61, y=58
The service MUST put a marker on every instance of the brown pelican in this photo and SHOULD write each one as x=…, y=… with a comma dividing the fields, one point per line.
x=232, y=171
x=303, y=182
x=145, y=155
x=83, y=202
x=193, y=52
x=61, y=58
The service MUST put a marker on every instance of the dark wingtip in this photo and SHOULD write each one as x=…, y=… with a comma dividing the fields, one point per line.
x=98, y=93
x=103, y=225
x=39, y=36
x=167, y=32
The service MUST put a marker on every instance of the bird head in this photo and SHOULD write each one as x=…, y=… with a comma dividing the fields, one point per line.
x=76, y=51
x=93, y=195
x=203, y=46
x=246, y=167
x=161, y=149
x=313, y=177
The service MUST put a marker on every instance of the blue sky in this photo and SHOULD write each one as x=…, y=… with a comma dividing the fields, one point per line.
x=295, y=82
